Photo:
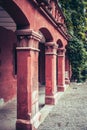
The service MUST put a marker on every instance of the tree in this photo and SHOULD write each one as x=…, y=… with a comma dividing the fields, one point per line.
x=77, y=56
x=76, y=21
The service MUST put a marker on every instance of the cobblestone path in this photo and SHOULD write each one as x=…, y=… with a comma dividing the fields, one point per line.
x=70, y=113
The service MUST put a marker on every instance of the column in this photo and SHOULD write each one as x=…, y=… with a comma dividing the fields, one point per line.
x=67, y=71
x=61, y=69
x=28, y=115
x=51, y=85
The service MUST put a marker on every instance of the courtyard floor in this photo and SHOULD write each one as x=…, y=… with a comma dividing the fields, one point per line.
x=70, y=113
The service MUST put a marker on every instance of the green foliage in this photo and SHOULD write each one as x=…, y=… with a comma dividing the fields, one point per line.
x=77, y=56
x=75, y=16
x=76, y=21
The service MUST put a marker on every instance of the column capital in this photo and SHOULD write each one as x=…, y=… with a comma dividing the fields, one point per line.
x=51, y=48
x=61, y=51
x=28, y=39
x=28, y=34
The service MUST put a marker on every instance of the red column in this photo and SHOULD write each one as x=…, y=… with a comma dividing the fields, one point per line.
x=67, y=71
x=61, y=69
x=27, y=80
x=70, y=71
x=51, y=86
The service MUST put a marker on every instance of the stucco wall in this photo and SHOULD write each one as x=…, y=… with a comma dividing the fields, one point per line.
x=7, y=64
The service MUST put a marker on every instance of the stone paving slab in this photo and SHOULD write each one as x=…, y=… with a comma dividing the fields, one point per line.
x=70, y=113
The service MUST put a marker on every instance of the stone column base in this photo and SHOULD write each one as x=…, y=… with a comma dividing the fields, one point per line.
x=61, y=88
x=23, y=126
x=32, y=124
x=67, y=81
x=51, y=100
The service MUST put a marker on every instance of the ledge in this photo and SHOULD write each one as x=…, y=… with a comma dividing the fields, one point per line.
x=27, y=48
x=52, y=19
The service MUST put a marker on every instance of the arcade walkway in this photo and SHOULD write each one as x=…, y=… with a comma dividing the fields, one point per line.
x=70, y=113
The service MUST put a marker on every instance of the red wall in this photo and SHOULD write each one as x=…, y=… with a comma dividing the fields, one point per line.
x=7, y=64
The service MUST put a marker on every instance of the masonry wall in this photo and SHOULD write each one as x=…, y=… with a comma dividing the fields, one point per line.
x=7, y=64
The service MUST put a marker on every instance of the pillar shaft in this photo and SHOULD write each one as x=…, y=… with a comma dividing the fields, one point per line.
x=27, y=80
x=67, y=71
x=51, y=86
x=61, y=69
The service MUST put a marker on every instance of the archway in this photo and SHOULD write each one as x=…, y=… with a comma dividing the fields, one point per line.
x=16, y=13
x=12, y=18
x=60, y=44
x=67, y=68
x=46, y=37
x=61, y=66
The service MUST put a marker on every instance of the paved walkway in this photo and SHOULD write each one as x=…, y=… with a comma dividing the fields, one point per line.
x=70, y=113
x=8, y=116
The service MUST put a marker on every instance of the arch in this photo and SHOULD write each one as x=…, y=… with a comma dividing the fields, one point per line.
x=47, y=35
x=16, y=13
x=66, y=46
x=60, y=44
